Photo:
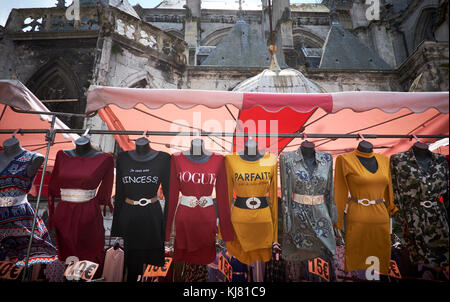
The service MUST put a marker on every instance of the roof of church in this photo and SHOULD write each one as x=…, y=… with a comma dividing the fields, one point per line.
x=343, y=50
x=240, y=47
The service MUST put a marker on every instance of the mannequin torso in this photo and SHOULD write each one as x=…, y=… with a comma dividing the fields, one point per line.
x=371, y=163
x=143, y=152
x=251, y=152
x=422, y=155
x=197, y=153
x=12, y=149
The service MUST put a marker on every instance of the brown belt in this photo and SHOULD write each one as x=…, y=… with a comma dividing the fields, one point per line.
x=142, y=201
x=366, y=202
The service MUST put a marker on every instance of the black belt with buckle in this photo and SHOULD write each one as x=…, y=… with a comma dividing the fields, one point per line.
x=251, y=203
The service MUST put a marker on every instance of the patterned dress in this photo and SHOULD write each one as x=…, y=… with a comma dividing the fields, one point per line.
x=16, y=221
x=308, y=229
x=425, y=229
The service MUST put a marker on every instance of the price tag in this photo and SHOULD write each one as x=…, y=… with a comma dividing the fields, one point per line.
x=319, y=267
x=158, y=271
x=9, y=270
x=225, y=267
x=81, y=270
x=393, y=270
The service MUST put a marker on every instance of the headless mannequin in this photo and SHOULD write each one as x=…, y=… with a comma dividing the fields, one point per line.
x=197, y=153
x=309, y=155
x=143, y=152
x=371, y=163
x=83, y=148
x=422, y=154
x=12, y=148
x=251, y=152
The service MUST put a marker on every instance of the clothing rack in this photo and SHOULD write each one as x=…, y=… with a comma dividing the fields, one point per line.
x=50, y=136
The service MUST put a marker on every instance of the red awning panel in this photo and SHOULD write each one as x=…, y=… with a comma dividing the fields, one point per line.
x=316, y=113
x=359, y=101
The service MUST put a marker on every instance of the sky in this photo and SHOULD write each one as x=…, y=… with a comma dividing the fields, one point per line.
x=7, y=5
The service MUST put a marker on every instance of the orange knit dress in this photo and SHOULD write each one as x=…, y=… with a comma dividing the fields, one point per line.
x=367, y=228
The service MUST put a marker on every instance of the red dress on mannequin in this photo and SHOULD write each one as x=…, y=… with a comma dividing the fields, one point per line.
x=196, y=228
x=79, y=225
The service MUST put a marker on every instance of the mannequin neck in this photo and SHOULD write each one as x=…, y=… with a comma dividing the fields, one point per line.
x=251, y=152
x=308, y=151
x=198, y=153
x=11, y=147
x=83, y=146
x=142, y=151
x=421, y=151
x=142, y=146
x=365, y=147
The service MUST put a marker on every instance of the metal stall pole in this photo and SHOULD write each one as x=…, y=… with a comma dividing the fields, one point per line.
x=49, y=138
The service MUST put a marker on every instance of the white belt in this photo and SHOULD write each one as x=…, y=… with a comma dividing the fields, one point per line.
x=8, y=201
x=77, y=195
x=192, y=201
x=308, y=199
x=428, y=203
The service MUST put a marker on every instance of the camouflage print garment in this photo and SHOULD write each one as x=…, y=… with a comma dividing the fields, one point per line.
x=425, y=229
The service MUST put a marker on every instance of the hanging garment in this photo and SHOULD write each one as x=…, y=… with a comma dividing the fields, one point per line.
x=367, y=226
x=16, y=216
x=425, y=226
x=257, y=271
x=341, y=274
x=77, y=219
x=195, y=273
x=54, y=272
x=275, y=270
x=196, y=222
x=307, y=228
x=113, y=267
x=255, y=220
x=141, y=225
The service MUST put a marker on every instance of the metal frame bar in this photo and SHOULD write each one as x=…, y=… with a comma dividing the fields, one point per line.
x=49, y=138
x=226, y=134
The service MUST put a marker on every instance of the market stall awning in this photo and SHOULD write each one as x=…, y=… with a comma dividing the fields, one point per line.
x=339, y=113
x=15, y=94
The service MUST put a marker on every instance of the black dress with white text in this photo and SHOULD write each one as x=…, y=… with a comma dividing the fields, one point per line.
x=141, y=227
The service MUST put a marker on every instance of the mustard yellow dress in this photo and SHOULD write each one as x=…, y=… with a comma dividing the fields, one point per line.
x=254, y=229
x=367, y=228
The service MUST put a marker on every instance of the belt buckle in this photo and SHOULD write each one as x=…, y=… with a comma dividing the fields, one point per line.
x=256, y=202
x=361, y=201
x=202, y=202
x=193, y=202
x=317, y=199
x=307, y=199
x=142, y=200
x=427, y=203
